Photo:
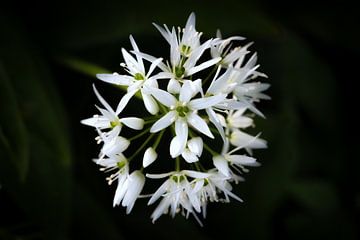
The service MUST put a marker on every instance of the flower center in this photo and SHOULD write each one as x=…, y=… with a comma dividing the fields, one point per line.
x=182, y=110
x=179, y=71
x=114, y=123
x=178, y=178
x=121, y=164
x=185, y=50
x=139, y=76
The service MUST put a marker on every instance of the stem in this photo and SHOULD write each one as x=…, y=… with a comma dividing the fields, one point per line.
x=139, y=135
x=141, y=147
x=210, y=150
x=158, y=139
x=211, y=73
x=177, y=164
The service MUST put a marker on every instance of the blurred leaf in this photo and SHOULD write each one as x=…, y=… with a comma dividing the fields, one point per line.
x=13, y=137
x=315, y=195
x=82, y=66
x=89, y=69
x=46, y=193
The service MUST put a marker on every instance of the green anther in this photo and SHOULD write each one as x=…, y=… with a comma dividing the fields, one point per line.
x=185, y=50
x=139, y=76
x=179, y=71
x=182, y=110
x=178, y=178
x=121, y=164
x=114, y=124
x=206, y=182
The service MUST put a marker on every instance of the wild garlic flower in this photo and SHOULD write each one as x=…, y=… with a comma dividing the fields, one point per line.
x=205, y=113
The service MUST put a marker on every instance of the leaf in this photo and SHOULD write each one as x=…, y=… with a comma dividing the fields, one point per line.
x=45, y=196
x=13, y=136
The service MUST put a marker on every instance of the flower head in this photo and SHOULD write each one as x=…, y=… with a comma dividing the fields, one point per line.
x=206, y=118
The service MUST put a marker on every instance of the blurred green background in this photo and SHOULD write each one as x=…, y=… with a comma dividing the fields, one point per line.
x=307, y=186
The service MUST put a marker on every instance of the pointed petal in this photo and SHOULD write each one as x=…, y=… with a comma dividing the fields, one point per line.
x=164, y=122
x=124, y=101
x=242, y=160
x=186, y=92
x=221, y=164
x=162, y=96
x=239, y=138
x=214, y=118
x=133, y=122
x=199, y=124
x=115, y=78
x=202, y=66
x=150, y=104
x=139, y=59
x=173, y=86
x=161, y=190
x=102, y=100
x=206, y=102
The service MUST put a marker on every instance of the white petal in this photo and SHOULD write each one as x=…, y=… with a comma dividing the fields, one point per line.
x=97, y=121
x=202, y=66
x=136, y=184
x=196, y=145
x=131, y=63
x=153, y=66
x=150, y=104
x=162, y=96
x=239, y=138
x=186, y=92
x=190, y=23
x=206, y=102
x=242, y=160
x=115, y=79
x=139, y=59
x=159, y=176
x=176, y=146
x=149, y=157
x=221, y=164
x=150, y=58
x=178, y=143
x=164, y=122
x=133, y=122
x=103, y=102
x=124, y=101
x=173, y=86
x=120, y=190
x=196, y=174
x=199, y=124
x=189, y=156
x=164, y=32
x=216, y=120
x=161, y=190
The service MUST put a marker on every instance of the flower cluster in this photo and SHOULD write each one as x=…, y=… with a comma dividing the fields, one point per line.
x=199, y=109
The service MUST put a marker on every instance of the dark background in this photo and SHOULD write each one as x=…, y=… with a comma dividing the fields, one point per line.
x=307, y=186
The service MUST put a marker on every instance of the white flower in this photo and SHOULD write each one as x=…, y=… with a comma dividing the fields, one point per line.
x=193, y=150
x=222, y=48
x=183, y=112
x=149, y=157
x=177, y=194
x=130, y=190
x=137, y=78
x=109, y=118
x=113, y=143
x=239, y=138
x=185, y=51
